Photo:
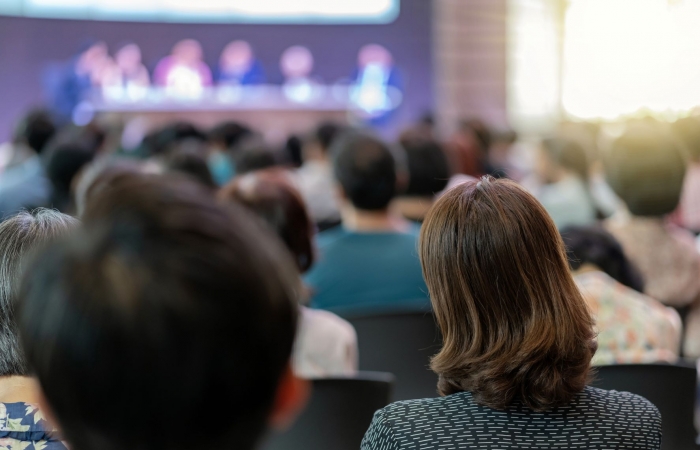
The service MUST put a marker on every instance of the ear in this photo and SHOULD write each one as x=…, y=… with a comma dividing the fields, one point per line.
x=292, y=396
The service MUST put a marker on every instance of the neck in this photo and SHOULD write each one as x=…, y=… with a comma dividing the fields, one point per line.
x=587, y=268
x=362, y=220
x=15, y=389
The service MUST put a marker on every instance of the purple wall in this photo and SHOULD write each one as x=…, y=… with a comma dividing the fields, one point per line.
x=27, y=46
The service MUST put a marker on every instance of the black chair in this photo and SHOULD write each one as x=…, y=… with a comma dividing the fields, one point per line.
x=338, y=414
x=671, y=388
x=401, y=344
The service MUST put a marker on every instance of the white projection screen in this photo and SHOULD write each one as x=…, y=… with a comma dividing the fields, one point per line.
x=210, y=11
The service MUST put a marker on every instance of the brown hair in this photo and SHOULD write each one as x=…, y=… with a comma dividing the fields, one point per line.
x=514, y=324
x=270, y=194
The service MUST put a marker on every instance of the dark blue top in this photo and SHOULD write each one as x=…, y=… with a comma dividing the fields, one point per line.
x=23, y=426
x=364, y=273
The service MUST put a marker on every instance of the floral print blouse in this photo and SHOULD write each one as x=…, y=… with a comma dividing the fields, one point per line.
x=24, y=427
x=632, y=328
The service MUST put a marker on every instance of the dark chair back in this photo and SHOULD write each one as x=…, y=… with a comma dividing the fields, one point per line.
x=670, y=387
x=338, y=414
x=401, y=344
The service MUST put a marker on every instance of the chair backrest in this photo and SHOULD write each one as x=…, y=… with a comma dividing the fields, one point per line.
x=670, y=387
x=401, y=344
x=338, y=414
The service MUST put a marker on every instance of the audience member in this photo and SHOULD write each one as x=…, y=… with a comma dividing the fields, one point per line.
x=184, y=73
x=518, y=337
x=369, y=264
x=100, y=174
x=646, y=169
x=186, y=158
x=315, y=177
x=253, y=154
x=326, y=345
x=687, y=131
x=23, y=182
x=223, y=138
x=22, y=423
x=632, y=328
x=428, y=175
x=238, y=65
x=562, y=170
x=189, y=308
x=66, y=155
x=468, y=148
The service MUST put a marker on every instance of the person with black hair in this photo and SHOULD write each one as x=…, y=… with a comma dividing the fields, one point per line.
x=20, y=237
x=632, y=327
x=562, y=170
x=167, y=322
x=223, y=139
x=186, y=157
x=66, y=155
x=315, y=177
x=369, y=264
x=428, y=175
x=23, y=182
x=646, y=169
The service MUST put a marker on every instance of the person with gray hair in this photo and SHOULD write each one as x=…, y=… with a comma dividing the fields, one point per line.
x=21, y=421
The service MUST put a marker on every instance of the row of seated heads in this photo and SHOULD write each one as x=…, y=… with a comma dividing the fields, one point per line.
x=181, y=276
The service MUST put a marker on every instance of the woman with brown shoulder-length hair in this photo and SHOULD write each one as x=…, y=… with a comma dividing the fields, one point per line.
x=518, y=338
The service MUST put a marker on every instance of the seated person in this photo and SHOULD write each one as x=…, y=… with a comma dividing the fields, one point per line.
x=370, y=263
x=518, y=338
x=646, y=170
x=184, y=73
x=326, y=345
x=181, y=335
x=562, y=170
x=23, y=182
x=632, y=328
x=315, y=177
x=428, y=175
x=239, y=66
x=22, y=423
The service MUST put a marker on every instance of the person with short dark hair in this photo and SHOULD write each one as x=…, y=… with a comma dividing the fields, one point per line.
x=315, y=179
x=253, y=154
x=428, y=175
x=646, y=169
x=326, y=345
x=632, y=327
x=187, y=158
x=369, y=264
x=65, y=157
x=167, y=308
x=223, y=139
x=518, y=338
x=22, y=423
x=23, y=182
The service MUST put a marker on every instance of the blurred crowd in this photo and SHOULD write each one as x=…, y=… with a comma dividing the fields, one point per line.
x=349, y=207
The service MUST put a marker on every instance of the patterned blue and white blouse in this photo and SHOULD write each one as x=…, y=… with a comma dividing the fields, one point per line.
x=24, y=427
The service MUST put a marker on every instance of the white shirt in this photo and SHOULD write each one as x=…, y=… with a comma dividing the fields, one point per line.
x=316, y=184
x=326, y=345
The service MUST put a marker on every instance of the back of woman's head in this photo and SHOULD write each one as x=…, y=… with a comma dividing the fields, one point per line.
x=514, y=324
x=270, y=195
x=593, y=245
x=20, y=236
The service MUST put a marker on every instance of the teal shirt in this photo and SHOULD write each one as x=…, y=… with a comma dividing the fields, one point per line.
x=364, y=273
